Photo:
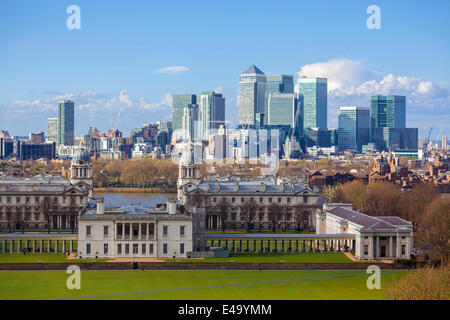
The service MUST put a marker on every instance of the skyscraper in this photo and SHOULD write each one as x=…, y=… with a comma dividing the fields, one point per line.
x=354, y=128
x=52, y=130
x=66, y=122
x=251, y=100
x=211, y=113
x=277, y=84
x=313, y=99
x=388, y=111
x=189, y=126
x=179, y=102
x=283, y=109
x=444, y=143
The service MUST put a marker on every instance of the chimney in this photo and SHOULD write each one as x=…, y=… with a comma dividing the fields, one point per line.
x=171, y=206
x=100, y=205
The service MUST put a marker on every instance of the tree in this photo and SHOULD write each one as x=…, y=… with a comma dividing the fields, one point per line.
x=434, y=227
x=23, y=215
x=354, y=193
x=300, y=212
x=423, y=284
x=223, y=206
x=249, y=209
x=273, y=212
x=48, y=207
x=382, y=199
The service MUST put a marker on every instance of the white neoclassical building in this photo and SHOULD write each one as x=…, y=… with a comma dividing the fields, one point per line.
x=134, y=232
x=376, y=238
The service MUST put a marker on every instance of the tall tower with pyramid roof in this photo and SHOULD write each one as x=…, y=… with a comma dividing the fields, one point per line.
x=81, y=173
x=251, y=100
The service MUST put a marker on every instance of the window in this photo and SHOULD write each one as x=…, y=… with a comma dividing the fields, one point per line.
x=242, y=199
x=165, y=248
x=105, y=231
x=135, y=248
x=403, y=238
x=366, y=237
x=181, y=230
x=88, y=248
x=214, y=199
x=165, y=230
x=182, y=248
x=305, y=199
x=366, y=249
x=17, y=199
x=260, y=200
x=8, y=199
x=403, y=249
x=88, y=231
x=279, y=200
x=270, y=200
x=36, y=199
x=27, y=199
x=150, y=249
x=233, y=199
x=288, y=200
x=119, y=248
x=144, y=249
x=127, y=248
x=105, y=248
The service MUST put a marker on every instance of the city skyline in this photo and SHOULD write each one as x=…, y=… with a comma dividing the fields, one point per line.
x=138, y=78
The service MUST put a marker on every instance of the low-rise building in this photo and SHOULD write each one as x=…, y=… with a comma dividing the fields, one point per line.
x=134, y=232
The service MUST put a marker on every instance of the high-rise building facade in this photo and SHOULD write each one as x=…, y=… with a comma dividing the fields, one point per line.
x=179, y=103
x=444, y=143
x=251, y=99
x=211, y=113
x=52, y=130
x=283, y=109
x=354, y=128
x=312, y=94
x=279, y=83
x=66, y=122
x=388, y=111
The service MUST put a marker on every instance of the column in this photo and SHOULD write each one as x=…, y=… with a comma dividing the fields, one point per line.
x=32, y=246
x=270, y=245
x=41, y=247
x=398, y=252
x=378, y=247
x=263, y=246
x=408, y=249
x=49, y=243
x=4, y=246
x=234, y=246
x=71, y=245
x=140, y=230
x=370, y=247
x=390, y=246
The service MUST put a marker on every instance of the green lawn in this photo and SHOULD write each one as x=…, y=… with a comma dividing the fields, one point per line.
x=39, y=257
x=276, y=257
x=191, y=285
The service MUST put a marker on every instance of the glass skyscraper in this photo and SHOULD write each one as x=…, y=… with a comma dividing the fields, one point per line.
x=277, y=84
x=179, y=102
x=354, y=128
x=312, y=94
x=388, y=111
x=251, y=99
x=66, y=122
x=211, y=113
x=283, y=109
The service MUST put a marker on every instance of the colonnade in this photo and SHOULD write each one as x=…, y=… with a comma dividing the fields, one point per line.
x=262, y=245
x=16, y=245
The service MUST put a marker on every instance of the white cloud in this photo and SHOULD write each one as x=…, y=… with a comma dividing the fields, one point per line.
x=172, y=70
x=350, y=82
x=218, y=89
x=165, y=103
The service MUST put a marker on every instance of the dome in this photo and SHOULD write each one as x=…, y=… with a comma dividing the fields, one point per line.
x=81, y=155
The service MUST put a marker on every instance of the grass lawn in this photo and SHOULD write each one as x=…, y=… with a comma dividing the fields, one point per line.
x=191, y=285
x=39, y=257
x=276, y=257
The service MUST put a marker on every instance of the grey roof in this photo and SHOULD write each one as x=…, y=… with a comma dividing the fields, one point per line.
x=247, y=186
x=371, y=223
x=278, y=235
x=253, y=70
x=37, y=185
x=38, y=235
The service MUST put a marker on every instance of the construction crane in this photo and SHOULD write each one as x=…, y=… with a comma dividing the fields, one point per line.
x=429, y=134
x=440, y=132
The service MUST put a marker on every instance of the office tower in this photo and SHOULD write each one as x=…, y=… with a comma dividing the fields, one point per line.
x=277, y=84
x=211, y=113
x=283, y=109
x=388, y=111
x=320, y=137
x=334, y=137
x=252, y=86
x=6, y=147
x=312, y=94
x=52, y=130
x=354, y=128
x=189, y=122
x=444, y=143
x=179, y=103
x=66, y=122
x=28, y=150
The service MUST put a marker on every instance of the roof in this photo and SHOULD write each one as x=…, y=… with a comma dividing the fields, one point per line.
x=39, y=184
x=370, y=223
x=253, y=70
x=279, y=235
x=247, y=186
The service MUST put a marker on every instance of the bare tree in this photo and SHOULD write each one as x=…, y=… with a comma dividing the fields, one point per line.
x=273, y=211
x=48, y=208
x=249, y=209
x=223, y=206
x=300, y=212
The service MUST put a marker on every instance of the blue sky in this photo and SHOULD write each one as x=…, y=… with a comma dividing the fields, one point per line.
x=111, y=63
